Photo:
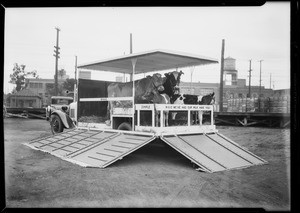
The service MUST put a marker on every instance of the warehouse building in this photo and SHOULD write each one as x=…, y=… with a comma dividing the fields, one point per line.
x=233, y=87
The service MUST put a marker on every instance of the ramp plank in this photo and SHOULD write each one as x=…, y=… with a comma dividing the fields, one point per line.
x=91, y=148
x=193, y=154
x=218, y=153
x=212, y=152
x=234, y=147
x=111, y=150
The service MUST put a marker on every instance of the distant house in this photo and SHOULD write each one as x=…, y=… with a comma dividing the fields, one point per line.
x=24, y=98
x=39, y=86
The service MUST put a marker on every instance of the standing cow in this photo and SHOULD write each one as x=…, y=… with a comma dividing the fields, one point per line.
x=161, y=99
x=143, y=88
x=171, y=84
x=143, y=91
x=194, y=100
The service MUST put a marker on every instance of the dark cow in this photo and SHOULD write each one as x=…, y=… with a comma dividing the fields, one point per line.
x=207, y=99
x=172, y=83
x=143, y=88
x=143, y=91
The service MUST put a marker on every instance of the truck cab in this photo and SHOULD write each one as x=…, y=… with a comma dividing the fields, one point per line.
x=58, y=103
x=58, y=113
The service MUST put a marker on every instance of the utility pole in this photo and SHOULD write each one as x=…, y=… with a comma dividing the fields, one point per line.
x=259, y=85
x=75, y=84
x=56, y=55
x=221, y=76
x=260, y=77
x=250, y=79
x=75, y=69
x=270, y=80
x=249, y=93
x=130, y=43
x=131, y=75
x=192, y=71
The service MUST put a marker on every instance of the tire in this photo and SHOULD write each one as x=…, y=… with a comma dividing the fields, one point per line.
x=125, y=126
x=56, y=124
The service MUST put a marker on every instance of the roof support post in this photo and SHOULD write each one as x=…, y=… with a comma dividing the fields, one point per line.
x=133, y=62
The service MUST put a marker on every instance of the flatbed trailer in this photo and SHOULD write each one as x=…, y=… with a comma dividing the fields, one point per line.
x=265, y=119
x=100, y=143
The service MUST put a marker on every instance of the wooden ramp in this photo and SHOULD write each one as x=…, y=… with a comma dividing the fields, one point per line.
x=92, y=148
x=99, y=148
x=212, y=152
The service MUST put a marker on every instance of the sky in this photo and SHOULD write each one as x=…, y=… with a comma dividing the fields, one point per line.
x=92, y=34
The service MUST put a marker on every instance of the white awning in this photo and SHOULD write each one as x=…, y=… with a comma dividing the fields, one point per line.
x=155, y=60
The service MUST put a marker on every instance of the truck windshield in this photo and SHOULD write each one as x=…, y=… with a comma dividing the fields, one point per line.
x=61, y=101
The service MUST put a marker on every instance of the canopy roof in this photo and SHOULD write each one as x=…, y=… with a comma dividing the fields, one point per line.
x=155, y=60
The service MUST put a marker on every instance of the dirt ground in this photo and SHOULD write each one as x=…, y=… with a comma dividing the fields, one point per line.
x=153, y=176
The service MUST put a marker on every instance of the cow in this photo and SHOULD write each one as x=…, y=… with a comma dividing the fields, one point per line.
x=177, y=99
x=143, y=91
x=143, y=88
x=194, y=100
x=171, y=84
x=161, y=99
x=205, y=100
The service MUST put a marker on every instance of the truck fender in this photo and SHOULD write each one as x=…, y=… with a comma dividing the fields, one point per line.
x=66, y=120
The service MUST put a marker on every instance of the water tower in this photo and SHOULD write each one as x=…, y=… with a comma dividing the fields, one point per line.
x=230, y=72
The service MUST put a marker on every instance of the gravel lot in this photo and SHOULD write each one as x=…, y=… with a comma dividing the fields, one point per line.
x=153, y=176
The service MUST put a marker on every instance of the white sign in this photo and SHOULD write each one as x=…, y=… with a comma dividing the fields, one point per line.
x=107, y=99
x=183, y=107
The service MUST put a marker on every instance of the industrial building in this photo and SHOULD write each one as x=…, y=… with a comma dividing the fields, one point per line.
x=233, y=87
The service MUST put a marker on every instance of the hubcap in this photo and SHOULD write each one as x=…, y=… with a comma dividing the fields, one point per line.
x=55, y=125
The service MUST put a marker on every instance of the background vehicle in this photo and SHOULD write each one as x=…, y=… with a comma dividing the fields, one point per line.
x=55, y=113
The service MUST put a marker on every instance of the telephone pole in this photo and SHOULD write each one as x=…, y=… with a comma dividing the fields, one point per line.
x=260, y=77
x=259, y=85
x=270, y=80
x=131, y=75
x=221, y=76
x=130, y=43
x=75, y=69
x=56, y=55
x=249, y=93
x=250, y=70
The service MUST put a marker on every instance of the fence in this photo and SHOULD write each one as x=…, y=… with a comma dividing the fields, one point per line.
x=268, y=104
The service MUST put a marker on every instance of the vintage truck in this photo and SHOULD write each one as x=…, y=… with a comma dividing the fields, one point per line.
x=104, y=126
x=58, y=113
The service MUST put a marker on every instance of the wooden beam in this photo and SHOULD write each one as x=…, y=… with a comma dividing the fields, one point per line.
x=38, y=116
x=243, y=124
x=286, y=124
x=16, y=115
x=219, y=119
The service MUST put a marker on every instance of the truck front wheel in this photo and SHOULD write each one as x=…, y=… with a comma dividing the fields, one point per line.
x=56, y=124
x=125, y=126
